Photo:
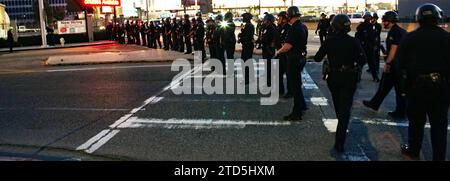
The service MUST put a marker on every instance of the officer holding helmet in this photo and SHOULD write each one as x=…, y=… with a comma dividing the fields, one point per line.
x=424, y=62
x=366, y=34
x=295, y=47
x=246, y=39
x=283, y=29
x=390, y=77
x=345, y=58
x=269, y=38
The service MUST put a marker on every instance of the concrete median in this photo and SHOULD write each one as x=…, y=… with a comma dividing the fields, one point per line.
x=117, y=57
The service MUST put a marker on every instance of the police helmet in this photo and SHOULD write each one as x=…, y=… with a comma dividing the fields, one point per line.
x=341, y=23
x=228, y=16
x=219, y=17
x=269, y=17
x=390, y=16
x=282, y=14
x=429, y=12
x=375, y=16
x=186, y=16
x=293, y=11
x=247, y=17
x=367, y=14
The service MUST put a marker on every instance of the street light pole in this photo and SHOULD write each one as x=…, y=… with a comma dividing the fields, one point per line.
x=41, y=18
x=146, y=9
x=259, y=7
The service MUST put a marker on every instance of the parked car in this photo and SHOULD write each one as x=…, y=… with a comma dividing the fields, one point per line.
x=356, y=18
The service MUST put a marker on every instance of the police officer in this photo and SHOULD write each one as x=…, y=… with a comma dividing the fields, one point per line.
x=167, y=27
x=425, y=63
x=378, y=45
x=217, y=41
x=211, y=28
x=193, y=32
x=143, y=30
x=283, y=29
x=227, y=35
x=295, y=47
x=346, y=56
x=322, y=27
x=366, y=34
x=158, y=35
x=151, y=35
x=199, y=37
x=181, y=35
x=269, y=38
x=174, y=34
x=186, y=31
x=246, y=39
x=10, y=40
x=390, y=77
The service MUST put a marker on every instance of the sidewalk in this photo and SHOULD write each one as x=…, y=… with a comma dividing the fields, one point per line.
x=104, y=42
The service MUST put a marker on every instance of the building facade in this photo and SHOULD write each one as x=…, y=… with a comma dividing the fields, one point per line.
x=22, y=11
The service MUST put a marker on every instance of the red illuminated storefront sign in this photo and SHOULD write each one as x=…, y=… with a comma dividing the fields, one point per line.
x=101, y=2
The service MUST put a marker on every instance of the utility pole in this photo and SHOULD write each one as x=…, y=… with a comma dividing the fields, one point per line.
x=184, y=6
x=146, y=9
x=41, y=18
x=292, y=2
x=259, y=7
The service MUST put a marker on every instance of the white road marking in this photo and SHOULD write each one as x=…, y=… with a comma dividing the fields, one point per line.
x=173, y=123
x=330, y=124
x=100, y=139
x=319, y=101
x=94, y=139
x=387, y=122
x=106, y=68
x=67, y=109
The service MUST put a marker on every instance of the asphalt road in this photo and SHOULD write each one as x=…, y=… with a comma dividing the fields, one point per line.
x=129, y=112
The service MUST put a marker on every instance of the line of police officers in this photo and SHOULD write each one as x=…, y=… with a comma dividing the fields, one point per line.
x=417, y=64
x=177, y=35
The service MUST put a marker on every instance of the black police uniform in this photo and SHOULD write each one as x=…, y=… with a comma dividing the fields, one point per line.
x=366, y=34
x=269, y=39
x=167, y=28
x=218, y=45
x=174, y=34
x=322, y=27
x=378, y=45
x=391, y=79
x=283, y=33
x=199, y=39
x=180, y=33
x=143, y=29
x=157, y=36
x=187, y=39
x=424, y=56
x=229, y=39
x=151, y=37
x=10, y=40
x=345, y=57
x=297, y=37
x=209, y=40
x=246, y=39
